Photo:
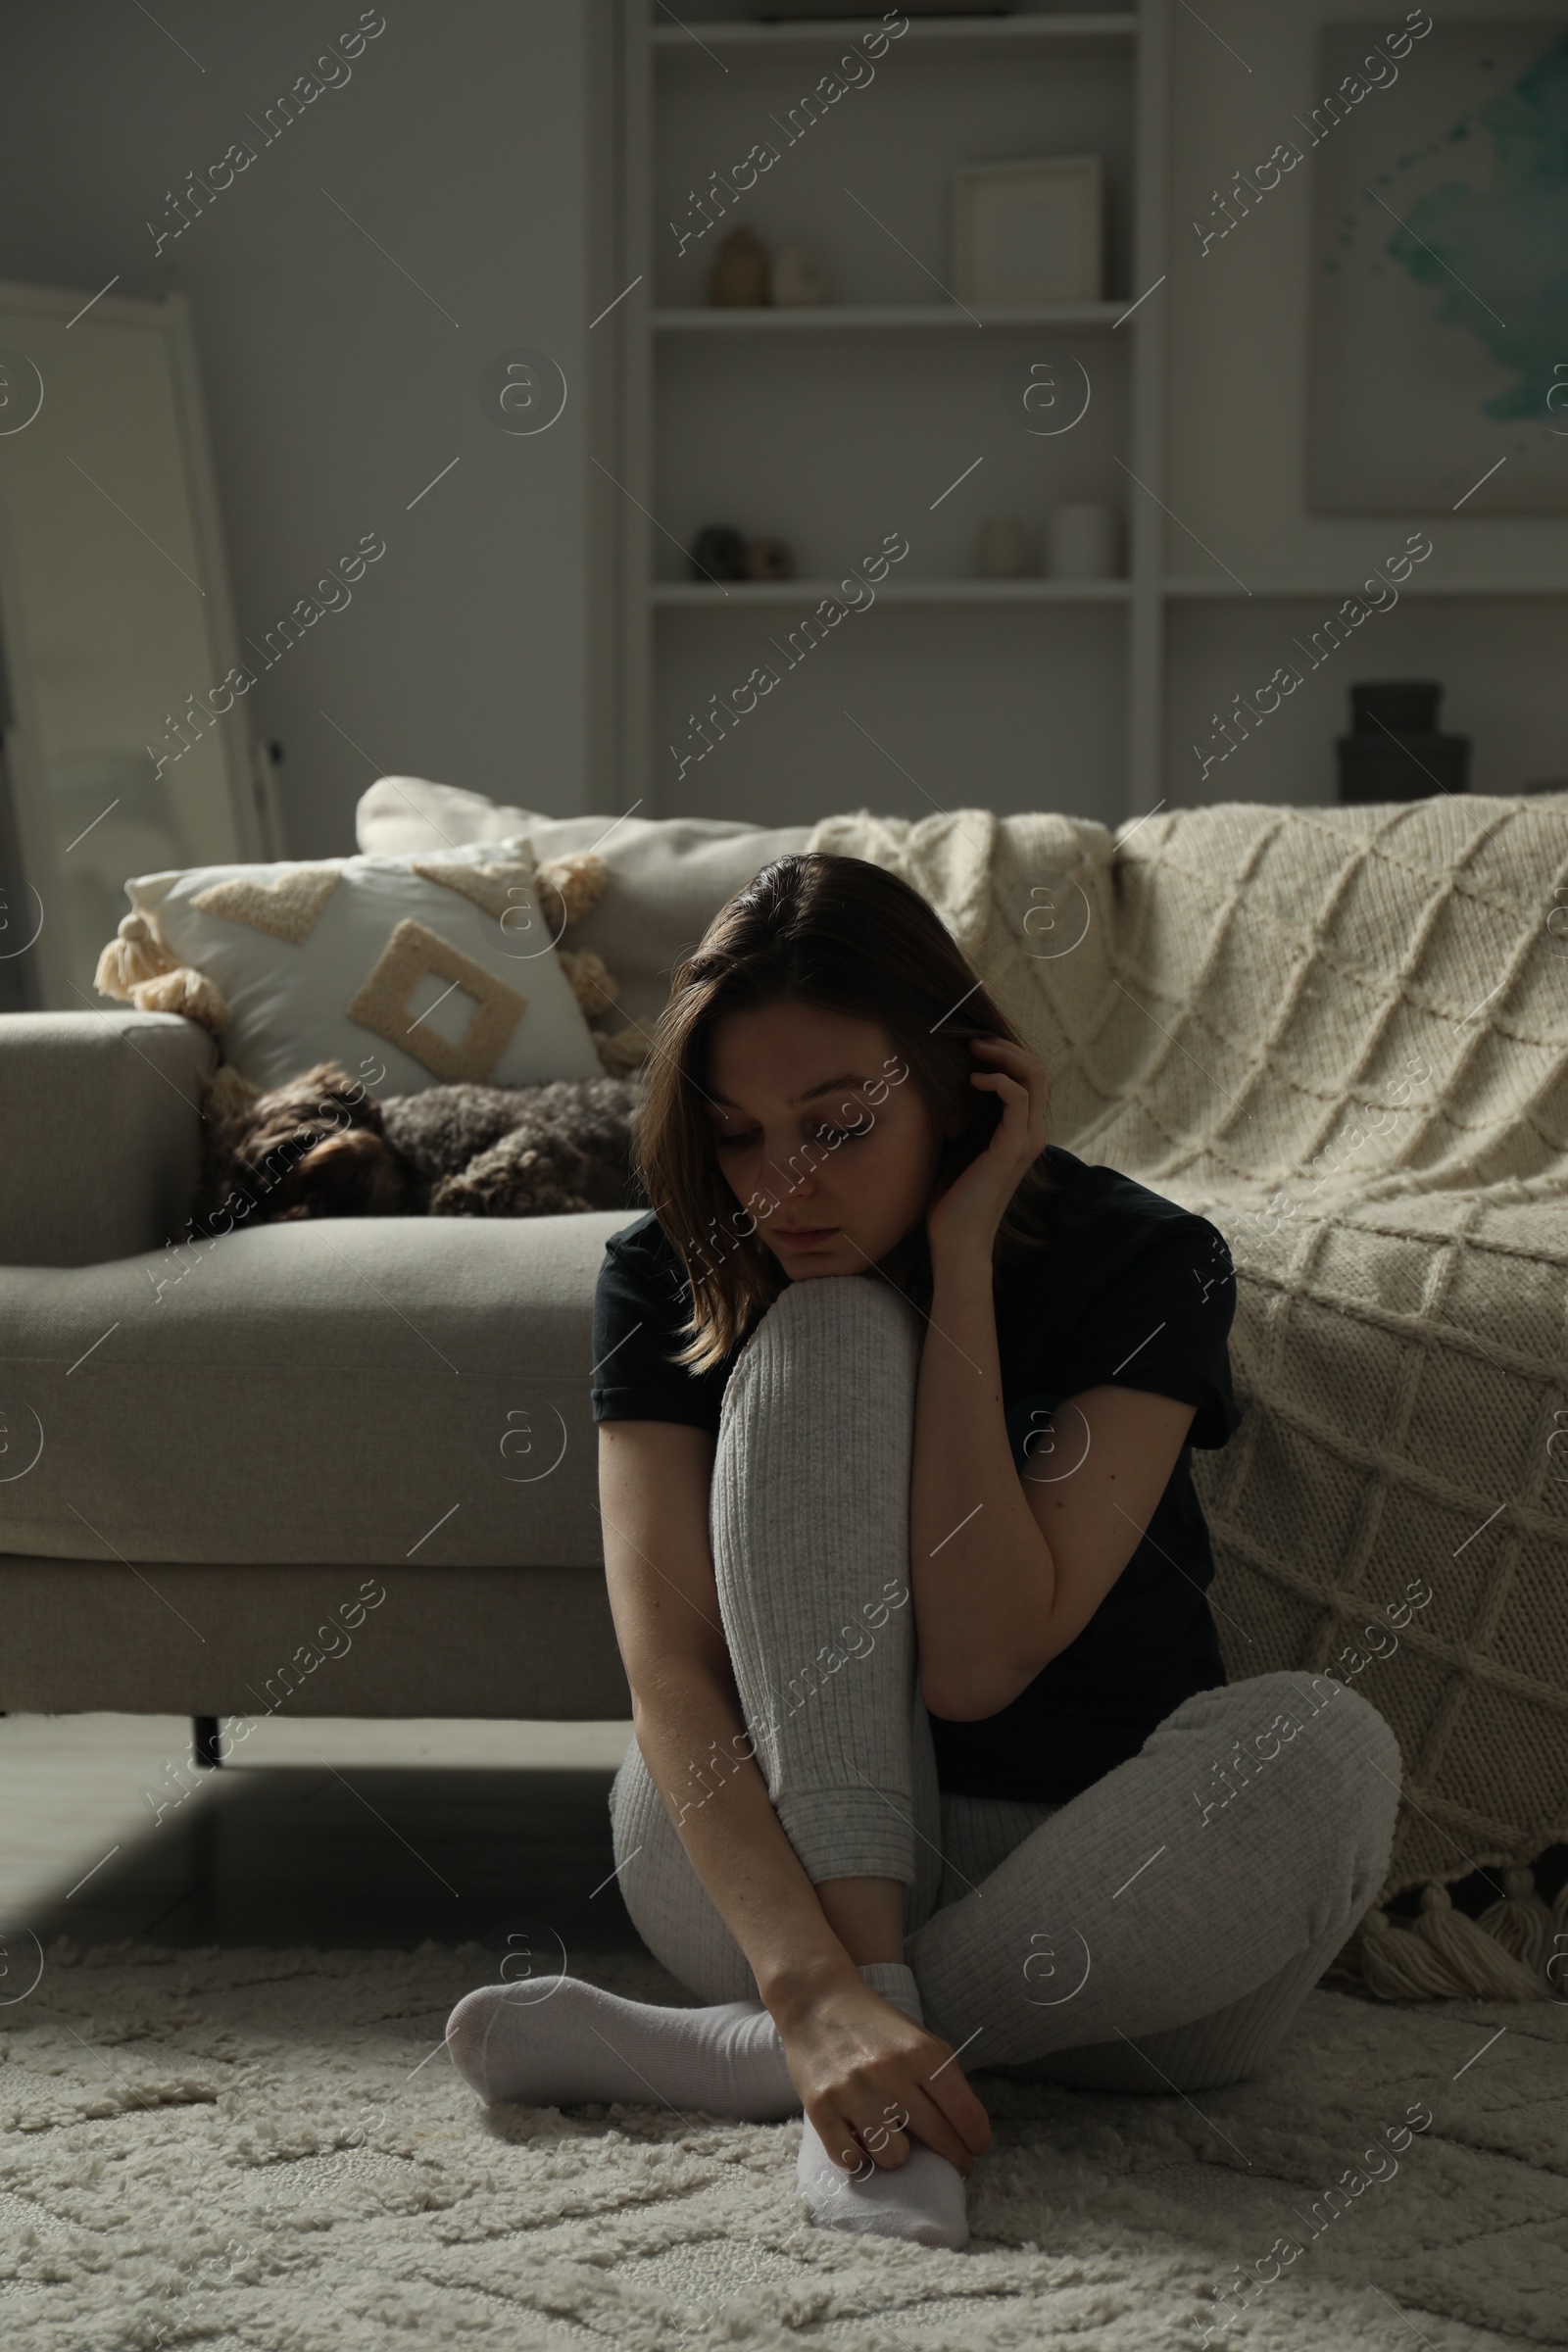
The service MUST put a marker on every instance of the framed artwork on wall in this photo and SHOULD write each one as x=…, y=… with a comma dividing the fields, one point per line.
x=1029, y=233
x=1439, y=314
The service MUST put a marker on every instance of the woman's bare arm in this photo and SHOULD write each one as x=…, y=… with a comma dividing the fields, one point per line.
x=1007, y=1570
x=653, y=1479
x=1005, y=1573
x=851, y=2054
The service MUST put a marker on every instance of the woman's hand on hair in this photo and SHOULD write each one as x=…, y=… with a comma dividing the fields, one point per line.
x=965, y=1218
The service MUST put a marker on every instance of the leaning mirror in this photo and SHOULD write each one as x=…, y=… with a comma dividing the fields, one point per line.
x=115, y=628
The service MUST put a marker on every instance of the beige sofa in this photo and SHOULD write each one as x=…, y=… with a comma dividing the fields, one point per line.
x=217, y=1453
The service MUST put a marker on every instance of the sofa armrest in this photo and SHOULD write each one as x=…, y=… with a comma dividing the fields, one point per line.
x=100, y=1133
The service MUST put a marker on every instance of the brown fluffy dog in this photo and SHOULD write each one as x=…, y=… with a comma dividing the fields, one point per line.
x=322, y=1147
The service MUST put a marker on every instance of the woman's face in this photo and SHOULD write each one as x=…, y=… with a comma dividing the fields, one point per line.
x=817, y=1113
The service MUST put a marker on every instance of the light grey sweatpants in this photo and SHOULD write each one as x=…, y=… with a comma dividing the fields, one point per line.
x=1158, y=1932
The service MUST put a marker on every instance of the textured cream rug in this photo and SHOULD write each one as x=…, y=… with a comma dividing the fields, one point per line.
x=258, y=2152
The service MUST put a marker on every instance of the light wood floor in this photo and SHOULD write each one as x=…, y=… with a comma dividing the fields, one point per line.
x=340, y=1833
x=334, y=1834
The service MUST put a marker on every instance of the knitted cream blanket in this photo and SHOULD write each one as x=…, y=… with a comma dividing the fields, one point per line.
x=1343, y=1035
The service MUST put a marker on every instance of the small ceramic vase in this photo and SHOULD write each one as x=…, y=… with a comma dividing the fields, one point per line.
x=738, y=278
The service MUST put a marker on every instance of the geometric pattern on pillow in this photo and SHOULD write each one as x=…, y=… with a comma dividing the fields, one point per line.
x=381, y=1006
x=667, y=877
x=490, y=888
x=288, y=999
x=287, y=908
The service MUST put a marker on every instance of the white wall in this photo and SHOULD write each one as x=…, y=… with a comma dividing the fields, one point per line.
x=465, y=144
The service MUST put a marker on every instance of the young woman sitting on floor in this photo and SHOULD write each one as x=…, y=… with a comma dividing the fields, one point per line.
x=935, y=1763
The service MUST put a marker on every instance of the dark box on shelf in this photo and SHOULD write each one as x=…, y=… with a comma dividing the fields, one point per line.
x=1394, y=751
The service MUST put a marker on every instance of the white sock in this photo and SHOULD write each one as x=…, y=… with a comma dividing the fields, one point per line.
x=554, y=2049
x=924, y=2199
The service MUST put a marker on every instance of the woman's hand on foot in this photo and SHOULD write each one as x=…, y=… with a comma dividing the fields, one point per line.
x=871, y=2080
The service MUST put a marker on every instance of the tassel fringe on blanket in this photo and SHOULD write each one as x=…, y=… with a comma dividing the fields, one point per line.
x=1515, y=1952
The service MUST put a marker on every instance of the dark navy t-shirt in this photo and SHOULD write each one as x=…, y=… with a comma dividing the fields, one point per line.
x=1129, y=1290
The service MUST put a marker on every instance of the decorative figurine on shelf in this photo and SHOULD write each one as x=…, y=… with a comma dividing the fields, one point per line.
x=769, y=559
x=717, y=553
x=738, y=278
x=1394, y=751
x=798, y=280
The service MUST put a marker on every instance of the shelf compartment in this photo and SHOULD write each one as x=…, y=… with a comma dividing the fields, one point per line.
x=890, y=318
x=928, y=40
x=740, y=593
x=870, y=714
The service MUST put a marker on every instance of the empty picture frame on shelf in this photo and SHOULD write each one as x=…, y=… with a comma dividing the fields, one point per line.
x=1029, y=231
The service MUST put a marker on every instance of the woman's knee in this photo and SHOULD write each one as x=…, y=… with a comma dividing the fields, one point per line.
x=829, y=1311
x=1351, y=1759
x=832, y=1367
x=1359, y=1757
x=1350, y=1738
x=818, y=1420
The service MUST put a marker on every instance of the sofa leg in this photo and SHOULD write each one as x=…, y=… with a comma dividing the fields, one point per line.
x=208, y=1732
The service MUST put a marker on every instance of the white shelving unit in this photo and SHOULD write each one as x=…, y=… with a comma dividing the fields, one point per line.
x=893, y=409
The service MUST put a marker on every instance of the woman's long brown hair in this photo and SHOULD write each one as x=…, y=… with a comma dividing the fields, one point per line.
x=844, y=934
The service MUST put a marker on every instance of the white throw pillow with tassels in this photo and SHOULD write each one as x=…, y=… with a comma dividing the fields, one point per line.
x=409, y=972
